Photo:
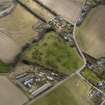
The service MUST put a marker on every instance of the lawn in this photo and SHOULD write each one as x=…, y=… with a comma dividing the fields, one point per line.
x=91, y=76
x=73, y=92
x=4, y=68
x=53, y=52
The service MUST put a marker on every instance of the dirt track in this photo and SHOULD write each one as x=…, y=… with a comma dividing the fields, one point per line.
x=10, y=94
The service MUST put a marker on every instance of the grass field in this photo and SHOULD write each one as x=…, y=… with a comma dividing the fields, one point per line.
x=91, y=76
x=53, y=52
x=37, y=9
x=69, y=9
x=91, y=34
x=19, y=24
x=8, y=48
x=4, y=68
x=10, y=94
x=72, y=92
x=15, y=31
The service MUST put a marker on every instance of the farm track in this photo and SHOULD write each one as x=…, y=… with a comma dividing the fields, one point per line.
x=77, y=72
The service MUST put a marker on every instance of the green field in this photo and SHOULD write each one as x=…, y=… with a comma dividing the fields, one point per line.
x=4, y=68
x=73, y=92
x=90, y=76
x=53, y=52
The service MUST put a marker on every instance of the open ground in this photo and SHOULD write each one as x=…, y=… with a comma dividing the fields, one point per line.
x=18, y=31
x=37, y=9
x=69, y=9
x=8, y=48
x=10, y=94
x=91, y=34
x=51, y=52
x=19, y=24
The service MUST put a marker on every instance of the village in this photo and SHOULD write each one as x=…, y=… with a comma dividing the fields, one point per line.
x=50, y=60
x=35, y=79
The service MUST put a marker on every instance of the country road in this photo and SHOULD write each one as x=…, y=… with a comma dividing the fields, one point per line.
x=73, y=20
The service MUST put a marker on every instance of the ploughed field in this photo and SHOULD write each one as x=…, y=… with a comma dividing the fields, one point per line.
x=53, y=52
x=19, y=24
x=69, y=9
x=15, y=31
x=72, y=92
x=91, y=34
x=10, y=94
x=8, y=48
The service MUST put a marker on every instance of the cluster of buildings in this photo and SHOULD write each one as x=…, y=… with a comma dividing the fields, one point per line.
x=58, y=24
x=38, y=80
x=64, y=28
x=98, y=67
x=41, y=27
x=84, y=11
x=101, y=85
x=96, y=96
